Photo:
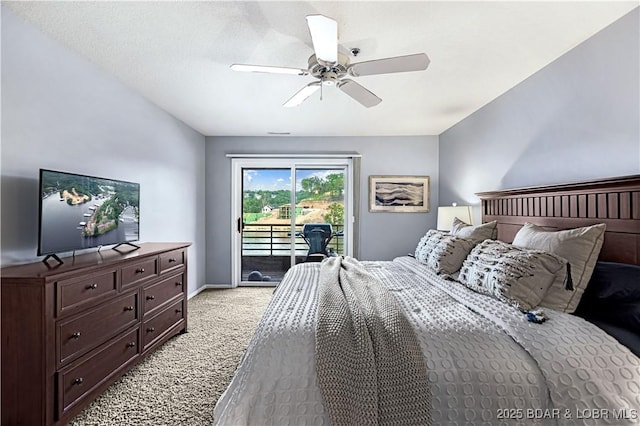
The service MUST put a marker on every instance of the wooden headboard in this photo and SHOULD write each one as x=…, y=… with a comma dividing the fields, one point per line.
x=613, y=201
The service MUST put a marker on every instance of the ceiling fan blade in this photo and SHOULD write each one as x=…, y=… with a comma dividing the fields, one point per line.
x=417, y=62
x=324, y=35
x=359, y=93
x=302, y=94
x=268, y=69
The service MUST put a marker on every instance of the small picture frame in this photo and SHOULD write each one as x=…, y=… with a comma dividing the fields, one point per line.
x=406, y=194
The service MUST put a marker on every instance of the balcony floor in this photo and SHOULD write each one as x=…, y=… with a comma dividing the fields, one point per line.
x=273, y=267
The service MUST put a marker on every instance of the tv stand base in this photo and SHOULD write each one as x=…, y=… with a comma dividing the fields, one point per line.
x=54, y=257
x=116, y=247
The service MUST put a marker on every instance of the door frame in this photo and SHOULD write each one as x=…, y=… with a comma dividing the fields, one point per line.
x=238, y=163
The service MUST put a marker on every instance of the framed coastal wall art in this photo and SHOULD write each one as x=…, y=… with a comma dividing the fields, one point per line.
x=399, y=194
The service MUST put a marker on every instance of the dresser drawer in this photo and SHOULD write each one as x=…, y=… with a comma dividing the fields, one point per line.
x=80, y=334
x=155, y=295
x=75, y=293
x=172, y=260
x=155, y=327
x=78, y=381
x=137, y=272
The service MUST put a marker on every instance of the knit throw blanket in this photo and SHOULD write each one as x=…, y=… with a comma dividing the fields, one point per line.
x=371, y=370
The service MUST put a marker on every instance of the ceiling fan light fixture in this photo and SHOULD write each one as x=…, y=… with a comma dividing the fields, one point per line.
x=329, y=78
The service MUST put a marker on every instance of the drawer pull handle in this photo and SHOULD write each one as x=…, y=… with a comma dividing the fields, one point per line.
x=140, y=271
x=131, y=344
x=75, y=335
x=151, y=329
x=92, y=286
x=172, y=260
x=128, y=308
x=178, y=311
x=78, y=381
x=178, y=283
x=151, y=297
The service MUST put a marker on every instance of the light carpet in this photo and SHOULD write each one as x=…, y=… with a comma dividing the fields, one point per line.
x=181, y=382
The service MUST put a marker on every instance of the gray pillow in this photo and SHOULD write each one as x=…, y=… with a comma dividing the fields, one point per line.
x=477, y=233
x=580, y=246
x=443, y=252
x=512, y=274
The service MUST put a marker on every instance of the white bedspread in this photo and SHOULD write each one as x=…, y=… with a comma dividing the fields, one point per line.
x=486, y=363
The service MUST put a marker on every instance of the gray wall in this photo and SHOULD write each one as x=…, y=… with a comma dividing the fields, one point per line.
x=383, y=236
x=61, y=112
x=576, y=119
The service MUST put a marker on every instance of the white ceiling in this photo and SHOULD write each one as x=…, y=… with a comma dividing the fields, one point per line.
x=177, y=55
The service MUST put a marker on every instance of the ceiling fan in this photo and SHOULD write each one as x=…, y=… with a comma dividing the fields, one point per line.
x=331, y=67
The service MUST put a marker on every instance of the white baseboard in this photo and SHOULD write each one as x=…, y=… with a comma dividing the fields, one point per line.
x=208, y=287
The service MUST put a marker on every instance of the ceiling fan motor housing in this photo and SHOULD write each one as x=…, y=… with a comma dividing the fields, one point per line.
x=329, y=73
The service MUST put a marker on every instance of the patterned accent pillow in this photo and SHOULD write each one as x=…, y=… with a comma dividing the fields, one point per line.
x=477, y=233
x=443, y=252
x=580, y=246
x=420, y=253
x=512, y=274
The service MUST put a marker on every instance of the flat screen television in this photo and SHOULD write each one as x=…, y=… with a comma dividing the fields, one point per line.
x=81, y=212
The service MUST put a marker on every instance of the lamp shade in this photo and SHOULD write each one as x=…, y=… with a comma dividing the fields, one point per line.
x=446, y=214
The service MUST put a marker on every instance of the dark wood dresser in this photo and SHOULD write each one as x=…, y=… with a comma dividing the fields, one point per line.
x=71, y=330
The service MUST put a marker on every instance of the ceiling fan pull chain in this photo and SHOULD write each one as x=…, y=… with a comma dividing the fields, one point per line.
x=321, y=87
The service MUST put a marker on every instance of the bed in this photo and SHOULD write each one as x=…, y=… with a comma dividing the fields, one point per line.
x=487, y=353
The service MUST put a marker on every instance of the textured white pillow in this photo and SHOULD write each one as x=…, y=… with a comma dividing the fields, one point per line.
x=420, y=250
x=512, y=274
x=580, y=246
x=477, y=233
x=443, y=252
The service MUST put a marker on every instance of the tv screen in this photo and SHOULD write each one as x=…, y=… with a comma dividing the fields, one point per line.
x=79, y=212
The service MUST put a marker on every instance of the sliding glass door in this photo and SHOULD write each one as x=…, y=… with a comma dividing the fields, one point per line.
x=320, y=218
x=288, y=211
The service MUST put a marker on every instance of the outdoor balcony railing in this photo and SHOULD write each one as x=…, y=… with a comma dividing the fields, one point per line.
x=275, y=240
